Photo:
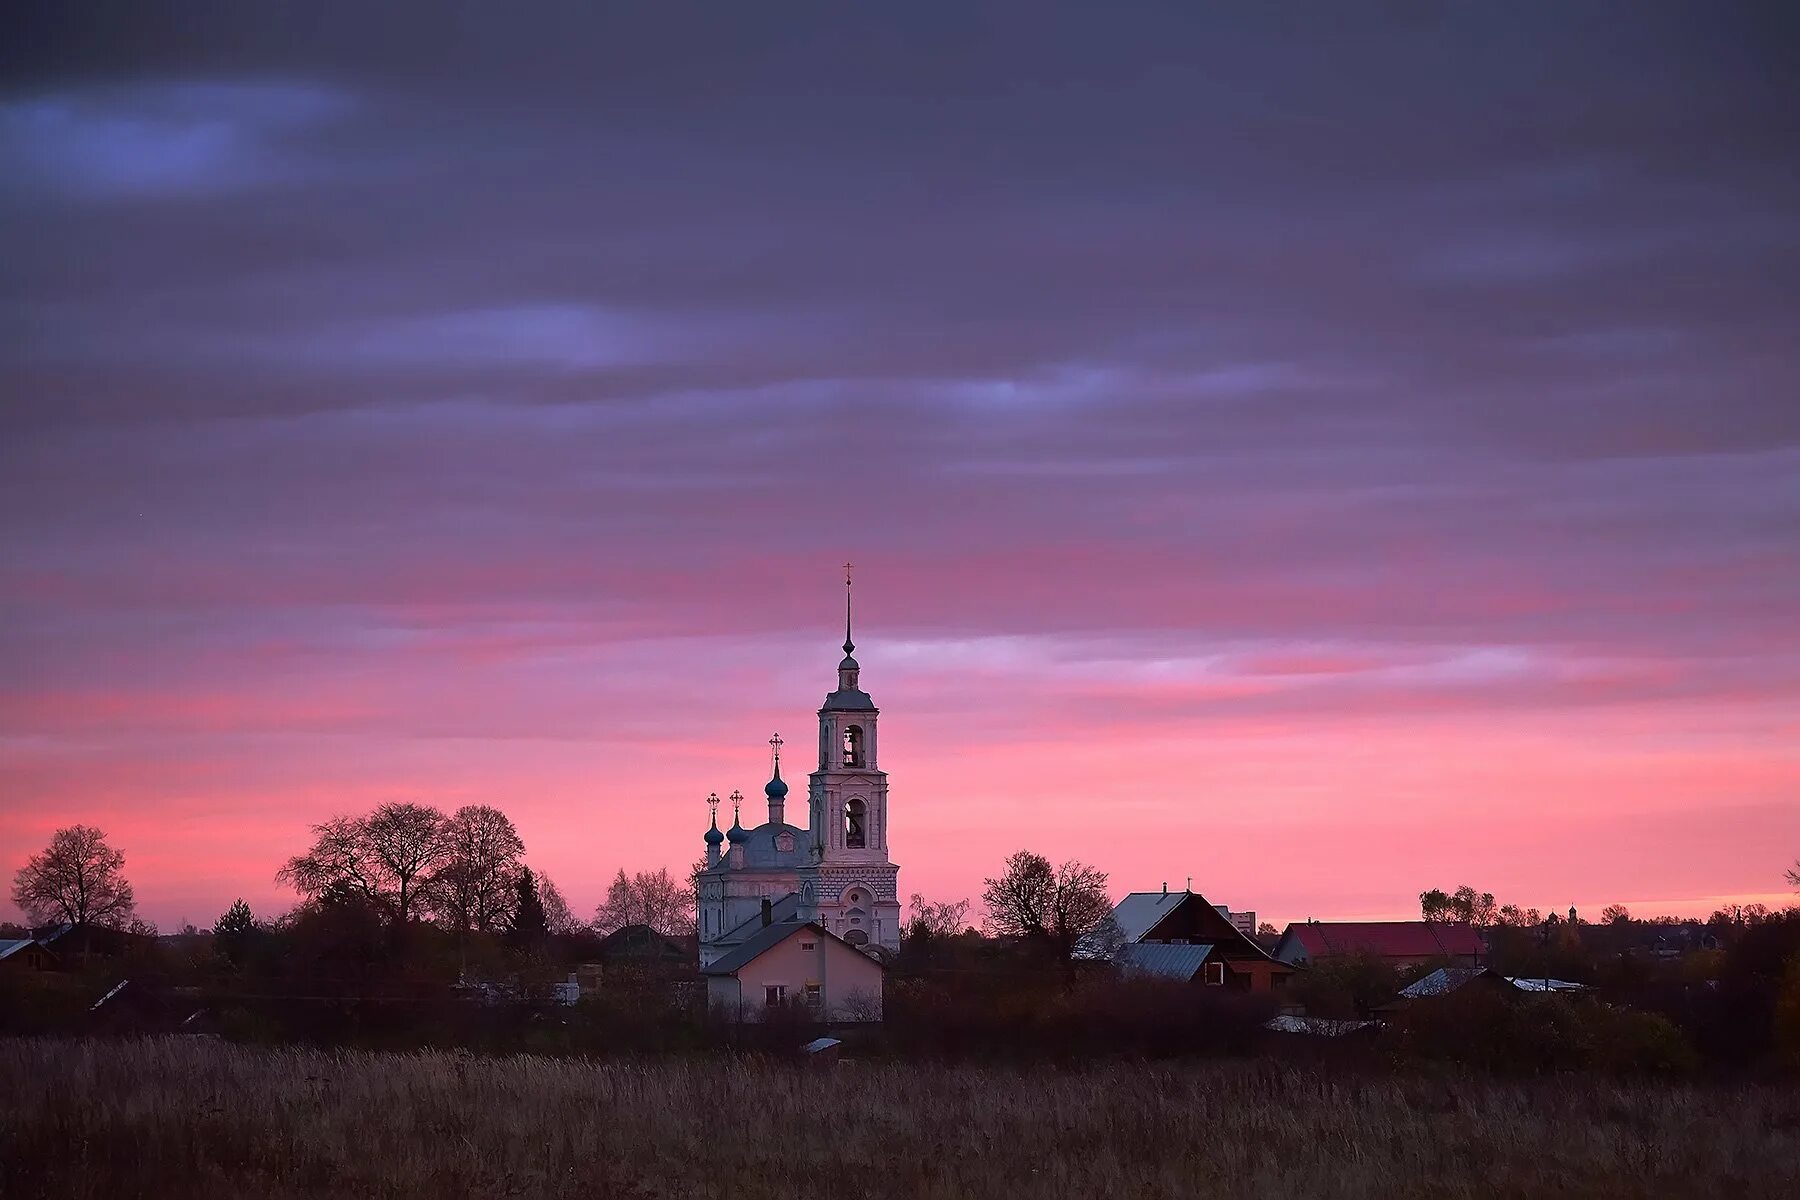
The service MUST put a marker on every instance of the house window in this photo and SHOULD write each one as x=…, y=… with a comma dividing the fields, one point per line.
x=809, y=945
x=1215, y=974
x=775, y=995
x=813, y=995
x=855, y=817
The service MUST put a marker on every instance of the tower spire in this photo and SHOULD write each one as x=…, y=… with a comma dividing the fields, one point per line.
x=849, y=645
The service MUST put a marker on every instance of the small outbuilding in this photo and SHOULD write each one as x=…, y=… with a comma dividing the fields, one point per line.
x=795, y=965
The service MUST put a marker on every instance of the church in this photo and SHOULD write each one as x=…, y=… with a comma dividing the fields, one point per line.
x=836, y=870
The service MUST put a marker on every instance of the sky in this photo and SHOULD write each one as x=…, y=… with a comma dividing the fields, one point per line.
x=1323, y=455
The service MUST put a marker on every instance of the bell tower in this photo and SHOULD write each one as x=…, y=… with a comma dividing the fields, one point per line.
x=855, y=886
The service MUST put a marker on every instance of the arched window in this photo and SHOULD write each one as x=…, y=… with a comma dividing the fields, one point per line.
x=853, y=746
x=855, y=821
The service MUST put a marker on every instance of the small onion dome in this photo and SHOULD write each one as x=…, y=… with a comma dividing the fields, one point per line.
x=737, y=834
x=776, y=788
x=713, y=836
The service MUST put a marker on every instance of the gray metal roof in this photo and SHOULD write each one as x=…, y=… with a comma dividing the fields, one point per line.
x=1138, y=913
x=785, y=909
x=1440, y=982
x=1537, y=983
x=1316, y=1026
x=9, y=948
x=1162, y=961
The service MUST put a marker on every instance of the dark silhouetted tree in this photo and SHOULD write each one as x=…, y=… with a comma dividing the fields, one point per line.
x=387, y=857
x=1434, y=905
x=234, y=932
x=1053, y=908
x=530, y=928
x=1614, y=914
x=79, y=879
x=473, y=890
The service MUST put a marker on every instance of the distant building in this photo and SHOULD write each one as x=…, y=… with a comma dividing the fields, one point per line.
x=1400, y=944
x=1243, y=922
x=836, y=871
x=1178, y=935
x=795, y=964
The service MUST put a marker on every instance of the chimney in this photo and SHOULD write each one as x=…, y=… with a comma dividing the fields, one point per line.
x=1165, y=887
x=768, y=912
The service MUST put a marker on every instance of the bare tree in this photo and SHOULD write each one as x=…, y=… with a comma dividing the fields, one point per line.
x=1614, y=914
x=557, y=914
x=473, y=889
x=1793, y=876
x=650, y=898
x=387, y=857
x=940, y=920
x=1055, y=908
x=79, y=879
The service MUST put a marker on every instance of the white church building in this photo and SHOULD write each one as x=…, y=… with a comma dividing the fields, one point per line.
x=836, y=870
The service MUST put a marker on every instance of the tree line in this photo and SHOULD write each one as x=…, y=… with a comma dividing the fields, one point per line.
x=402, y=864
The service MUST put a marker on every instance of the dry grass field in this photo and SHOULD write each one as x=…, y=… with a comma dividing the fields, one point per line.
x=190, y=1118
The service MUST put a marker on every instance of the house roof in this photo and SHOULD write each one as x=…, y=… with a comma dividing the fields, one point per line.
x=1161, y=961
x=1317, y=1026
x=1138, y=913
x=9, y=948
x=1537, y=983
x=1388, y=939
x=785, y=909
x=1441, y=982
x=766, y=939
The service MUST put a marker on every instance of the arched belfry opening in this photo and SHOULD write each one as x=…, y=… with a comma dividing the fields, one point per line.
x=853, y=746
x=856, y=824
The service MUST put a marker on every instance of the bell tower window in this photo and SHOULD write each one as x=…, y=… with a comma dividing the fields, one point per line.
x=853, y=746
x=855, y=825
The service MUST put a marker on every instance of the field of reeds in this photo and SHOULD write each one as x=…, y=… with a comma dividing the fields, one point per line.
x=198, y=1118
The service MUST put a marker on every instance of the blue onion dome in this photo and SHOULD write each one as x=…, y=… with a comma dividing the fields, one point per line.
x=713, y=836
x=776, y=788
x=737, y=835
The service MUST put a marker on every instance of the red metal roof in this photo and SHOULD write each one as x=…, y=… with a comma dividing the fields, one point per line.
x=1389, y=939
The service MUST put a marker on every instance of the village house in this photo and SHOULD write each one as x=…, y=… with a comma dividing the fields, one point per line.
x=1180, y=936
x=26, y=954
x=1400, y=944
x=795, y=963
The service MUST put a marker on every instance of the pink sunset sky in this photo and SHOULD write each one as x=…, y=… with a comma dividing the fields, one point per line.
x=1324, y=460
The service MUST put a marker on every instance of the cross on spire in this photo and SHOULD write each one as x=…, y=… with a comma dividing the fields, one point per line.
x=775, y=744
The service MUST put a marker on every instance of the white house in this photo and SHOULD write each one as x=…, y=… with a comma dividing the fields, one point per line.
x=795, y=963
